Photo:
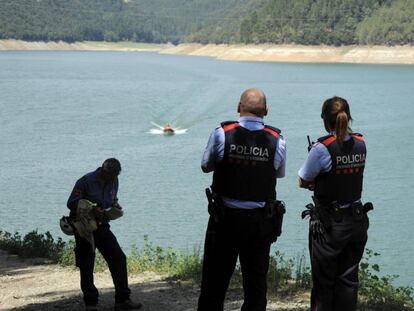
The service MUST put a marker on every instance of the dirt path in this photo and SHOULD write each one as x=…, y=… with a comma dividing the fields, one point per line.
x=38, y=285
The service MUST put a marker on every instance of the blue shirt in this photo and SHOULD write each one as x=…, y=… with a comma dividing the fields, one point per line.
x=89, y=187
x=318, y=161
x=214, y=154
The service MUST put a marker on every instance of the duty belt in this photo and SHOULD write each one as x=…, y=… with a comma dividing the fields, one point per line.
x=356, y=210
x=351, y=208
x=244, y=211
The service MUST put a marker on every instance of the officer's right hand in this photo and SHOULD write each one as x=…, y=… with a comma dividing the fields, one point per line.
x=306, y=184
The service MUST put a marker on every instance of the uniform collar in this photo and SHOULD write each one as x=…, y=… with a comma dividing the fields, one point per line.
x=251, y=119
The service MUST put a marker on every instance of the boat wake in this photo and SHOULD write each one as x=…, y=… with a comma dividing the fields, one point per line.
x=160, y=130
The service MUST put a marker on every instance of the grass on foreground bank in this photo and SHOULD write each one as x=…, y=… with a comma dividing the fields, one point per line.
x=286, y=278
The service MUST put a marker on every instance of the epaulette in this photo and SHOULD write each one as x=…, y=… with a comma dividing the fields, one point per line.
x=272, y=130
x=327, y=140
x=358, y=136
x=223, y=124
x=229, y=125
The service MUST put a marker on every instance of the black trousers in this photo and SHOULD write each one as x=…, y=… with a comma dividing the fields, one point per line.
x=335, y=264
x=239, y=234
x=108, y=246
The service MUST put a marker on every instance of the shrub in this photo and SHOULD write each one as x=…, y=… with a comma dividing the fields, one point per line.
x=35, y=244
x=10, y=243
x=32, y=245
x=378, y=291
x=67, y=255
x=189, y=267
x=288, y=276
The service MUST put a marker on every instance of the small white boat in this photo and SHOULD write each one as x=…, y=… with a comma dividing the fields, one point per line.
x=168, y=129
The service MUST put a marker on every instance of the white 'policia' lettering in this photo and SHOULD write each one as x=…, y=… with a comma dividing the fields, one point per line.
x=247, y=151
x=350, y=159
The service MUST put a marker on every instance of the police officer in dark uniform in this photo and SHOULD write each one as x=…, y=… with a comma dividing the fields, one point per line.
x=101, y=187
x=247, y=157
x=338, y=222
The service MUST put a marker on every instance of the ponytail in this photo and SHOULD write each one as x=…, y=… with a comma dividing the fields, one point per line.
x=336, y=116
x=341, y=126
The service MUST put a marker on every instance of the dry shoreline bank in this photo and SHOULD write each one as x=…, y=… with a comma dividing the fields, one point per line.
x=239, y=52
x=36, y=285
x=300, y=53
x=18, y=45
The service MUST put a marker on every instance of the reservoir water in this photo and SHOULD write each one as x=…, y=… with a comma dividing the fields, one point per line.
x=63, y=113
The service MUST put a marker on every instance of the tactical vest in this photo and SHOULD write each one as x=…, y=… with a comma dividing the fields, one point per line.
x=343, y=183
x=247, y=170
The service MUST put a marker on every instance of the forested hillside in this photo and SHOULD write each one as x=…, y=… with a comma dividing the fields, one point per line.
x=392, y=25
x=114, y=20
x=333, y=22
x=79, y=20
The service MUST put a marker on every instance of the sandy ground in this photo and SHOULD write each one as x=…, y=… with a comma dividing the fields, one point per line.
x=37, y=285
x=239, y=52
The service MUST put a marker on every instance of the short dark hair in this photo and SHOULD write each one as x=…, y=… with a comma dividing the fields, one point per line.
x=111, y=166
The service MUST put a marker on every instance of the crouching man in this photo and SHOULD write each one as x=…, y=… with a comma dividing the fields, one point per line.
x=93, y=203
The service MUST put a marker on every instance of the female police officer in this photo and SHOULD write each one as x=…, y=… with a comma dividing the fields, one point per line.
x=338, y=226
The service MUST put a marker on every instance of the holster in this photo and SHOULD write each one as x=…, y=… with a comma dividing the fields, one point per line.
x=368, y=207
x=274, y=211
x=359, y=209
x=335, y=210
x=216, y=208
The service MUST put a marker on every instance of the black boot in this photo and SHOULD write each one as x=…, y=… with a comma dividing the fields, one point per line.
x=128, y=305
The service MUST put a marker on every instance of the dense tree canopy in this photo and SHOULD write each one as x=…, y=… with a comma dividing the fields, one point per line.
x=333, y=22
x=391, y=25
